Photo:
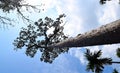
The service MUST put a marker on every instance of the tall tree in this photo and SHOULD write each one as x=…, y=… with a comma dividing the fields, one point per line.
x=95, y=62
x=106, y=34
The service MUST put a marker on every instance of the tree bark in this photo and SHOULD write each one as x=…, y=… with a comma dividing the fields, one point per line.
x=106, y=34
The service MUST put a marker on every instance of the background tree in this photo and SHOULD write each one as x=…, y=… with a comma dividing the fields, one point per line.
x=15, y=5
x=36, y=37
x=96, y=63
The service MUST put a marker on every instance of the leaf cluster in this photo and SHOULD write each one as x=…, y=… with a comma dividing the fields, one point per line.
x=36, y=37
x=95, y=62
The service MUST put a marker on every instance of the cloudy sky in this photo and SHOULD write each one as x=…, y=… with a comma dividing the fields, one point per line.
x=82, y=16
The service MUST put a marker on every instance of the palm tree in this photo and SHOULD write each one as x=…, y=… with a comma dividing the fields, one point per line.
x=95, y=62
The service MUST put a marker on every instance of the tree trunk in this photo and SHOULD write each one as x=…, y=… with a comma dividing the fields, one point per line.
x=106, y=34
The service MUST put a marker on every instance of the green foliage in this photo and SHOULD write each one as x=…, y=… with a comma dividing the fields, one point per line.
x=118, y=52
x=95, y=62
x=115, y=71
x=36, y=37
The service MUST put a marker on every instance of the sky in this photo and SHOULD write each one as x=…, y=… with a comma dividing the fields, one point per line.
x=81, y=16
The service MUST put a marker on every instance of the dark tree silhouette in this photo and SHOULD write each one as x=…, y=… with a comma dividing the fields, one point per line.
x=36, y=37
x=95, y=62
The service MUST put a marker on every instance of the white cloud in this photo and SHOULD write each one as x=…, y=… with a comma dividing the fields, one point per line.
x=79, y=54
x=110, y=50
x=109, y=12
x=48, y=4
x=73, y=26
x=71, y=9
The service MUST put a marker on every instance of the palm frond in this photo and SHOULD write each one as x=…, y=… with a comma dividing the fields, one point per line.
x=95, y=62
x=105, y=61
x=97, y=54
x=90, y=67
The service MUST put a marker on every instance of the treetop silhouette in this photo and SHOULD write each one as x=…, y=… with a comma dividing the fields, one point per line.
x=36, y=37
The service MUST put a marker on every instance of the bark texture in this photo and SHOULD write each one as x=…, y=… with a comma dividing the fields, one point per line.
x=106, y=34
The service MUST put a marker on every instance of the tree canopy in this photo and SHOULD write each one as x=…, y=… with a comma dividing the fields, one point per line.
x=36, y=37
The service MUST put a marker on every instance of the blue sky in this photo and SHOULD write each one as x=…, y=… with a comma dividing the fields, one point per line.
x=82, y=16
